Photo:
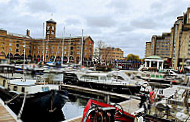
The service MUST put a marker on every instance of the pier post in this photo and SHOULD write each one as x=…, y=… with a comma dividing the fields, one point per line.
x=107, y=98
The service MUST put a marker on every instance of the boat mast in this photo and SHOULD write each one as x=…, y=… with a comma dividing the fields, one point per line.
x=43, y=42
x=63, y=45
x=81, y=49
x=24, y=60
x=69, y=49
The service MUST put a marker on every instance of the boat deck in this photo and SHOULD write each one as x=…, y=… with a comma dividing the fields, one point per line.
x=6, y=115
x=129, y=106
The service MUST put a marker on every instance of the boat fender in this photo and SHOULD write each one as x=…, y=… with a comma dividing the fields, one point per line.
x=152, y=95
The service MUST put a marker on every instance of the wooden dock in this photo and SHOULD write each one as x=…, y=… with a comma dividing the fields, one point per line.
x=6, y=114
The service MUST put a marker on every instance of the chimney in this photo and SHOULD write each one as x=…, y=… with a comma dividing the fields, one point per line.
x=27, y=32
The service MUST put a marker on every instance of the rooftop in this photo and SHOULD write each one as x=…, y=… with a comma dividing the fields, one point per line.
x=154, y=57
x=51, y=21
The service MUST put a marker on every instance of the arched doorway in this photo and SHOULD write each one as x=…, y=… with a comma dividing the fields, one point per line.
x=77, y=60
x=64, y=59
x=17, y=56
x=71, y=59
x=38, y=58
x=29, y=58
x=58, y=58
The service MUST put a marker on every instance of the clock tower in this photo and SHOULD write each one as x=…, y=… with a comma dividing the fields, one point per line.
x=50, y=29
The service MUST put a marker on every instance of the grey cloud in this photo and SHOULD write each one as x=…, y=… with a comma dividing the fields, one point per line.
x=100, y=21
x=72, y=21
x=37, y=6
x=146, y=23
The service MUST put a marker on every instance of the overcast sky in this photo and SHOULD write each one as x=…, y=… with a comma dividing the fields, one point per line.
x=126, y=24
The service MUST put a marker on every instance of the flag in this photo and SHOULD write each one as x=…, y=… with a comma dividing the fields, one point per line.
x=89, y=42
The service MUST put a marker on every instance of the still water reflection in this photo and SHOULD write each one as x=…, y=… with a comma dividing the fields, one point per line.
x=74, y=108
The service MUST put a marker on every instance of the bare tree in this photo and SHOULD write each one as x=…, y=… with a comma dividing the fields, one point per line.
x=101, y=45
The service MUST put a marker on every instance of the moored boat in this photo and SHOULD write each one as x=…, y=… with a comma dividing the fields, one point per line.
x=32, y=102
x=102, y=112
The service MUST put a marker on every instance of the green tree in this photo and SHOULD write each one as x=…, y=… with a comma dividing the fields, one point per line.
x=133, y=57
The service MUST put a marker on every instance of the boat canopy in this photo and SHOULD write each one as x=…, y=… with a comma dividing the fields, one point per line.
x=22, y=82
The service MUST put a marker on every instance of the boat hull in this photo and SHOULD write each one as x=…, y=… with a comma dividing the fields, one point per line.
x=42, y=106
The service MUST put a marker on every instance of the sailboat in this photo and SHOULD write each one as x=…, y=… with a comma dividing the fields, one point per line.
x=31, y=101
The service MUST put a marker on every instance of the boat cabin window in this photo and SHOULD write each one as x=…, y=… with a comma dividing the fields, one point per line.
x=161, y=91
x=89, y=77
x=103, y=78
x=8, y=88
x=118, y=77
x=4, y=81
x=45, y=88
x=109, y=77
x=23, y=89
x=15, y=88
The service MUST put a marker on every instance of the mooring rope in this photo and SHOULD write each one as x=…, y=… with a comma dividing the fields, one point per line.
x=23, y=103
x=14, y=97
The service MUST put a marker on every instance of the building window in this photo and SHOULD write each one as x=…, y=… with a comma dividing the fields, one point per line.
x=46, y=51
x=65, y=52
x=71, y=53
x=71, y=48
x=10, y=49
x=10, y=44
x=52, y=47
x=58, y=52
x=38, y=47
x=17, y=50
x=38, y=52
x=46, y=47
x=78, y=53
x=15, y=88
x=17, y=45
x=65, y=47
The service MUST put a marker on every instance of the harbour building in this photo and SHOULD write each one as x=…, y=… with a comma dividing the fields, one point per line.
x=148, y=49
x=110, y=54
x=51, y=48
x=180, y=40
x=160, y=45
x=175, y=46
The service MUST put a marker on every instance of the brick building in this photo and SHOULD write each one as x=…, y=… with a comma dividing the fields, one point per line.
x=110, y=54
x=49, y=48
